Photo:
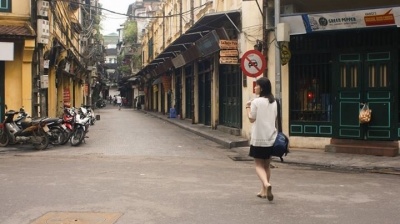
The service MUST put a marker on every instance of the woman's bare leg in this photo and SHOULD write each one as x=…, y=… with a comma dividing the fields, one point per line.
x=268, y=188
x=267, y=168
x=262, y=174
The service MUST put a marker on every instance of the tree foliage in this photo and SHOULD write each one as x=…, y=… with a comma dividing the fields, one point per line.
x=130, y=31
x=125, y=69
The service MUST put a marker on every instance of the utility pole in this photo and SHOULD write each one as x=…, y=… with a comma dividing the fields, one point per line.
x=180, y=17
x=278, y=76
x=191, y=12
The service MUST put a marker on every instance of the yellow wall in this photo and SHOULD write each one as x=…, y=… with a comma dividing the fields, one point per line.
x=18, y=78
x=13, y=77
x=52, y=95
x=21, y=10
x=56, y=93
x=78, y=94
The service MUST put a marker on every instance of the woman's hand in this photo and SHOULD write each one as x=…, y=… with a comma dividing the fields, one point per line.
x=248, y=104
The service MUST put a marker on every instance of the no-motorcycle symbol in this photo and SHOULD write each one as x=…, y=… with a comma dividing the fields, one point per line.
x=253, y=63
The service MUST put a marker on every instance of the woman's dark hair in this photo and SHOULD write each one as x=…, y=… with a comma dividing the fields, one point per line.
x=265, y=88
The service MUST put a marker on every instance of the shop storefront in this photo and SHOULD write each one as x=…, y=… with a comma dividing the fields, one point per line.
x=341, y=62
x=195, y=74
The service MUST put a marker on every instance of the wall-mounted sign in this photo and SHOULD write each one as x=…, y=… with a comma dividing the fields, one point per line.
x=229, y=60
x=7, y=51
x=44, y=81
x=67, y=95
x=208, y=44
x=155, y=88
x=307, y=23
x=228, y=44
x=229, y=53
x=86, y=90
x=285, y=53
x=46, y=63
x=253, y=63
x=166, y=81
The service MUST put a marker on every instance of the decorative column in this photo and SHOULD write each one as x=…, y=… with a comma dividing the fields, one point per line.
x=26, y=82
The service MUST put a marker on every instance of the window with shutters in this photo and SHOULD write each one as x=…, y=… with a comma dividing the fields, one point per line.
x=5, y=5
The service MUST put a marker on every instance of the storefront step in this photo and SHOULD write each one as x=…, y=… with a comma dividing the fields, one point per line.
x=229, y=130
x=377, y=148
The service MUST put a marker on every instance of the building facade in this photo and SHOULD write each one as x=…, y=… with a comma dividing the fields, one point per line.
x=17, y=40
x=51, y=54
x=342, y=56
x=71, y=55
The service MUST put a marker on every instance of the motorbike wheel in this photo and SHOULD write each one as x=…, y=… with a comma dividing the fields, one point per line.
x=67, y=135
x=4, y=140
x=92, y=121
x=77, y=137
x=44, y=140
x=57, y=135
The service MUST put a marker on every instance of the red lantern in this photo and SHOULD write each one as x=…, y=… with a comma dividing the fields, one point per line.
x=310, y=94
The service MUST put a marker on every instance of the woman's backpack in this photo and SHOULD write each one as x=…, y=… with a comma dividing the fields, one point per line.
x=281, y=144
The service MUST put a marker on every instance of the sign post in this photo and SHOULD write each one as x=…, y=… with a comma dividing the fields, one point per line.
x=253, y=63
x=229, y=53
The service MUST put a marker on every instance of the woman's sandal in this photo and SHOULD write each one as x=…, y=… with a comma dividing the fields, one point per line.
x=270, y=196
x=261, y=196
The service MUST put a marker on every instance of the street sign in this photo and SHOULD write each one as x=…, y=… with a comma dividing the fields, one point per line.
x=229, y=53
x=228, y=60
x=228, y=44
x=253, y=63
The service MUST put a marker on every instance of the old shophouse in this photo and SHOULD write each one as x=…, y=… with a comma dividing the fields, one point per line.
x=49, y=54
x=17, y=44
x=343, y=55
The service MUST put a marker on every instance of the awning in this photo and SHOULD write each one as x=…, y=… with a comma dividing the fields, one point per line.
x=16, y=30
x=202, y=27
x=209, y=22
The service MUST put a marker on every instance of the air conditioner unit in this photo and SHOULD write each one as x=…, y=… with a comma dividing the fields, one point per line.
x=43, y=31
x=43, y=8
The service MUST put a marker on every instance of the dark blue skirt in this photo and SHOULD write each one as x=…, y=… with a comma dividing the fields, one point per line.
x=259, y=152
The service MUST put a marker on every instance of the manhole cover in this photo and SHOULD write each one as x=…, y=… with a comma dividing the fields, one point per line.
x=241, y=158
x=78, y=218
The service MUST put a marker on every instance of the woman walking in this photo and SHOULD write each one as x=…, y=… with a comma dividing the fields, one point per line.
x=262, y=113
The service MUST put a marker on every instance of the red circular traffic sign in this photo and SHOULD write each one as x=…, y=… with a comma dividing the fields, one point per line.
x=253, y=63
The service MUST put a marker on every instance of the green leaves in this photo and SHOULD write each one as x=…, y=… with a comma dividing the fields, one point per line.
x=130, y=31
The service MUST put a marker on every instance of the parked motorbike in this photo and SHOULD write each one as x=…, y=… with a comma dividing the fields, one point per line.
x=90, y=114
x=101, y=103
x=56, y=131
x=81, y=127
x=68, y=120
x=34, y=132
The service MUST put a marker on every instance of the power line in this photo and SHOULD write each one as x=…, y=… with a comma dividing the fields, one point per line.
x=132, y=16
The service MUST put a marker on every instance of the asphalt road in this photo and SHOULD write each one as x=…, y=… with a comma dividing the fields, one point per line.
x=149, y=171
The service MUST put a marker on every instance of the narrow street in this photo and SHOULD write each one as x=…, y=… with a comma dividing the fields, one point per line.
x=141, y=169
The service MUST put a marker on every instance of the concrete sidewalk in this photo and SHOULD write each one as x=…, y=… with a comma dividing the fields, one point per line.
x=298, y=156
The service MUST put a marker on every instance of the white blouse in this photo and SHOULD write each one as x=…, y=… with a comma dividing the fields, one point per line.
x=263, y=132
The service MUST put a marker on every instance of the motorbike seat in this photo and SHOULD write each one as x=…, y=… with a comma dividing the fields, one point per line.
x=51, y=119
x=26, y=124
x=11, y=112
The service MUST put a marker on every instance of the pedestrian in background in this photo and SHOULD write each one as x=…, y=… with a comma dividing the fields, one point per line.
x=262, y=112
x=119, y=102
